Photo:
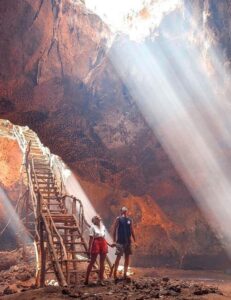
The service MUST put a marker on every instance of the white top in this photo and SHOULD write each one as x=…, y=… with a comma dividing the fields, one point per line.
x=96, y=231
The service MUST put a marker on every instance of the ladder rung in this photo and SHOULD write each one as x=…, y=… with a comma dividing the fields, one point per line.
x=77, y=252
x=71, y=243
x=74, y=260
x=80, y=272
x=71, y=235
x=44, y=176
x=47, y=182
x=56, y=211
x=45, y=189
x=63, y=215
x=68, y=227
x=74, y=271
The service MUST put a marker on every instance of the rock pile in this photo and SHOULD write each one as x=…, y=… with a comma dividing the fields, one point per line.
x=16, y=274
x=144, y=288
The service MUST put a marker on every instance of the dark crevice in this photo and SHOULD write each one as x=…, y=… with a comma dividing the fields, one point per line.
x=60, y=59
x=37, y=13
x=51, y=45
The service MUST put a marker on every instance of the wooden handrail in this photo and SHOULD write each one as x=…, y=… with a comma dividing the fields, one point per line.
x=58, y=234
x=57, y=265
x=84, y=222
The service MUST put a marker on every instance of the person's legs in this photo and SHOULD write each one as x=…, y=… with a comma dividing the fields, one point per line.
x=126, y=264
x=89, y=268
x=118, y=257
x=102, y=265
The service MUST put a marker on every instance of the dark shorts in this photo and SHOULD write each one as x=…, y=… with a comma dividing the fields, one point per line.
x=99, y=246
x=122, y=249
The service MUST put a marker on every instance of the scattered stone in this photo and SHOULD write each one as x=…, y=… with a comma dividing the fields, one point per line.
x=65, y=291
x=155, y=294
x=173, y=293
x=23, y=276
x=175, y=288
x=9, y=290
x=128, y=280
x=201, y=291
x=165, y=279
x=164, y=293
x=15, y=268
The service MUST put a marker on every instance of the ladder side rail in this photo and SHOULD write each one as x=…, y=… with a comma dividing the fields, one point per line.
x=44, y=206
x=58, y=234
x=34, y=173
x=34, y=199
x=34, y=195
x=23, y=145
x=20, y=138
x=84, y=220
x=58, y=174
x=60, y=275
x=84, y=223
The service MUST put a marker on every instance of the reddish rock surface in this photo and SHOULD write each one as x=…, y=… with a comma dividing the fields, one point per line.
x=56, y=77
x=10, y=182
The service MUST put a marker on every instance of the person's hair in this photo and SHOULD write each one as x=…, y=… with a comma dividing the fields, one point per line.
x=94, y=218
x=124, y=209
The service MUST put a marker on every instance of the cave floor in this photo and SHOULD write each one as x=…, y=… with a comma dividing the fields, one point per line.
x=17, y=282
x=148, y=283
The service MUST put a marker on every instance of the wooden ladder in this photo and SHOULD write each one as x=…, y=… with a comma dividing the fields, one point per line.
x=60, y=226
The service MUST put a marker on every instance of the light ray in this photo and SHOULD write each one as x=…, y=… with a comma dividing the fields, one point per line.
x=135, y=18
x=73, y=187
x=15, y=223
x=180, y=101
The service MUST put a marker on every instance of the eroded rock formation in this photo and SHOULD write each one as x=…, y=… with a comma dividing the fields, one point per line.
x=56, y=77
x=10, y=182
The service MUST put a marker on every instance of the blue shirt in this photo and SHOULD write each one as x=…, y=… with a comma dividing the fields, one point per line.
x=124, y=230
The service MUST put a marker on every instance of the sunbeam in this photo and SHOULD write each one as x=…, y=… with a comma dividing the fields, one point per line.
x=14, y=223
x=188, y=112
x=135, y=18
x=73, y=187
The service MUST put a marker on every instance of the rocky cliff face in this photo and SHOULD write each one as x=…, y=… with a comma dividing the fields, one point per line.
x=10, y=182
x=212, y=30
x=57, y=78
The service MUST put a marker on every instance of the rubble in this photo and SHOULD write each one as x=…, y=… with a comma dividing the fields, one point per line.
x=16, y=274
x=18, y=282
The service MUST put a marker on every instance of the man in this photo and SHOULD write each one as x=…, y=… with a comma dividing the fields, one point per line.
x=122, y=233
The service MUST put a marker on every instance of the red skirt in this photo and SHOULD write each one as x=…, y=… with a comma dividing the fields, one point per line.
x=99, y=246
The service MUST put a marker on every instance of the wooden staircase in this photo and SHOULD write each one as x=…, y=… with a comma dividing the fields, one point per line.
x=54, y=219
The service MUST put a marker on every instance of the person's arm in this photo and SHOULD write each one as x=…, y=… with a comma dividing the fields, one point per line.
x=115, y=230
x=91, y=238
x=133, y=233
x=110, y=245
x=90, y=245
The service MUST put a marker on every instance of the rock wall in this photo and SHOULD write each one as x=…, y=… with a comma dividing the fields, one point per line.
x=212, y=30
x=56, y=77
x=10, y=182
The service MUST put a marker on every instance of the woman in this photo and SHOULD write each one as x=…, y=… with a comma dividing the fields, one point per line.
x=97, y=245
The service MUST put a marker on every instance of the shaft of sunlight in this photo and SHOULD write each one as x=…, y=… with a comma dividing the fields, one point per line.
x=73, y=187
x=189, y=112
x=135, y=18
x=15, y=223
